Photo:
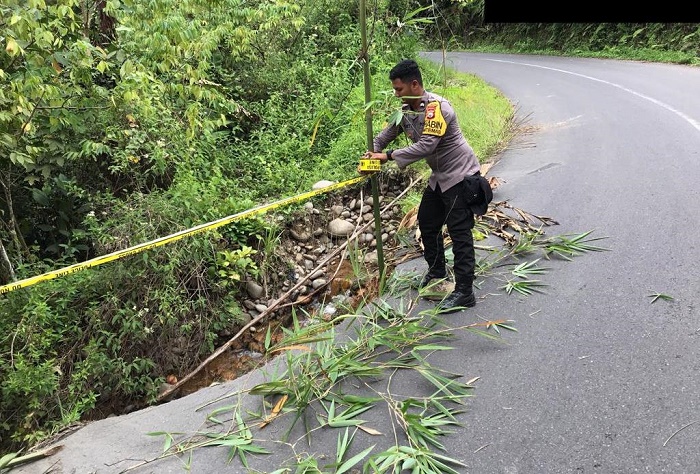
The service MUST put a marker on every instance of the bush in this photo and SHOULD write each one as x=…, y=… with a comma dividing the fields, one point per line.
x=179, y=117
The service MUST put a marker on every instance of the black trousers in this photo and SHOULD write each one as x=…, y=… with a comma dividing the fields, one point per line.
x=437, y=209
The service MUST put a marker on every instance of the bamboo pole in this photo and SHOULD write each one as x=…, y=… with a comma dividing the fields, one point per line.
x=370, y=145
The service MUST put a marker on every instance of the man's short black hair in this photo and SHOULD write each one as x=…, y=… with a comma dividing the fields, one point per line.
x=406, y=70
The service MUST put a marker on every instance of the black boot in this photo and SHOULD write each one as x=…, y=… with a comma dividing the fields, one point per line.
x=429, y=277
x=459, y=299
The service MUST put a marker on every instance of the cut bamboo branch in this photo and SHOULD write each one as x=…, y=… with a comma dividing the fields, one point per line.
x=276, y=304
x=17, y=460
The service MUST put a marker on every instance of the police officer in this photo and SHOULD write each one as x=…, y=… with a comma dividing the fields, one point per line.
x=430, y=123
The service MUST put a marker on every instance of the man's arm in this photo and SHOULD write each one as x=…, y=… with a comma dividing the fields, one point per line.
x=438, y=116
x=385, y=137
x=425, y=146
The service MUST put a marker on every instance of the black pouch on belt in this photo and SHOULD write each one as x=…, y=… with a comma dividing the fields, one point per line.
x=477, y=193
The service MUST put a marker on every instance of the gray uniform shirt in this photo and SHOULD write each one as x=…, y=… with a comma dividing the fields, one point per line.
x=440, y=141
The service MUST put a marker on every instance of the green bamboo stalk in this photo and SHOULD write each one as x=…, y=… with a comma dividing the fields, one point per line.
x=370, y=145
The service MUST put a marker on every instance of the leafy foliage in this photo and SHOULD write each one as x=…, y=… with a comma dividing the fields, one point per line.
x=660, y=42
x=322, y=376
x=123, y=120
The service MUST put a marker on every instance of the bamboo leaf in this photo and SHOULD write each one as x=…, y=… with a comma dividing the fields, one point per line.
x=275, y=411
x=528, y=268
x=524, y=287
x=395, y=118
x=342, y=445
x=659, y=296
x=353, y=460
x=432, y=347
x=5, y=460
x=369, y=430
x=569, y=245
x=270, y=388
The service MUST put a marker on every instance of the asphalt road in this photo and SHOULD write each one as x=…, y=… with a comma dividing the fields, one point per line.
x=598, y=379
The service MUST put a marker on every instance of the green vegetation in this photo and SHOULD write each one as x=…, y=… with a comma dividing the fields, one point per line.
x=321, y=377
x=122, y=121
x=125, y=121
x=668, y=43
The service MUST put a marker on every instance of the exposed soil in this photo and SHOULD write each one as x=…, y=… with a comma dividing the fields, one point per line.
x=243, y=349
x=246, y=353
x=246, y=350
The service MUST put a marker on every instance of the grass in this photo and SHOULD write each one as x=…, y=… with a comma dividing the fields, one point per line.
x=649, y=54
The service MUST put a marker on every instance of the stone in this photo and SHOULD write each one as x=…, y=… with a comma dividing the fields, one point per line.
x=322, y=184
x=340, y=227
x=300, y=235
x=317, y=274
x=371, y=257
x=244, y=318
x=254, y=290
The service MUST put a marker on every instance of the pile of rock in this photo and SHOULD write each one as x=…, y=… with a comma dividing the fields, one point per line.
x=318, y=230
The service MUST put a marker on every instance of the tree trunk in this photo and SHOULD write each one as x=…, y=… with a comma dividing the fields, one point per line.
x=12, y=226
x=8, y=273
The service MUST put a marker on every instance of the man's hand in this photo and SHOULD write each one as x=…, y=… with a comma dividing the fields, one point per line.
x=370, y=155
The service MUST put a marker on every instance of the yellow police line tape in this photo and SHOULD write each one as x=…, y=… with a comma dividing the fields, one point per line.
x=171, y=238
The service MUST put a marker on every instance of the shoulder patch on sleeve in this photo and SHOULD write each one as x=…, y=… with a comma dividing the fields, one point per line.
x=434, y=121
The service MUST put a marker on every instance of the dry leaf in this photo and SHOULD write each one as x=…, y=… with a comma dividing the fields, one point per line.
x=371, y=431
x=488, y=324
x=275, y=411
x=292, y=348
